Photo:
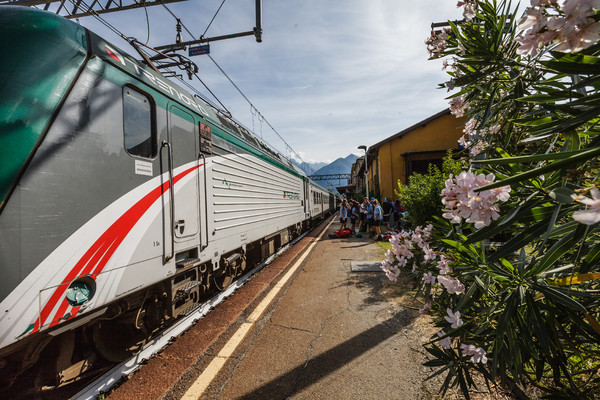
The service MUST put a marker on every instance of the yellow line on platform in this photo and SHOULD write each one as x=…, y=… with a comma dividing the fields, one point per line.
x=207, y=376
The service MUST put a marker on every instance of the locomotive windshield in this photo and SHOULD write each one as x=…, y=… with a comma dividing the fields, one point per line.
x=42, y=54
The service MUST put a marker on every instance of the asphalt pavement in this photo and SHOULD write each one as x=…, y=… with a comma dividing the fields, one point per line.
x=331, y=332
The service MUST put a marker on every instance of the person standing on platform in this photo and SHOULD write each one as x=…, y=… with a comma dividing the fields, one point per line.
x=388, y=208
x=398, y=210
x=343, y=214
x=370, y=216
x=353, y=212
x=363, y=215
x=377, y=219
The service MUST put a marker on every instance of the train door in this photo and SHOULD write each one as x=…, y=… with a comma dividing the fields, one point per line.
x=183, y=137
x=306, y=200
x=205, y=151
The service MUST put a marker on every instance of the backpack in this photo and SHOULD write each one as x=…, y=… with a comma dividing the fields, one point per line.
x=343, y=233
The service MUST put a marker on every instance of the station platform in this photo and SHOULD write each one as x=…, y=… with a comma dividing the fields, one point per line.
x=333, y=330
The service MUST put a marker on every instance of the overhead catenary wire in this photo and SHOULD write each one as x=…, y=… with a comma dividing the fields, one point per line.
x=147, y=24
x=119, y=33
x=213, y=18
x=241, y=92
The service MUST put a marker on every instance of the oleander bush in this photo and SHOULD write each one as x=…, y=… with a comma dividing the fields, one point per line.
x=523, y=312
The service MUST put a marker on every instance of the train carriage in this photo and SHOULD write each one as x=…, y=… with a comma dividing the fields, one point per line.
x=123, y=198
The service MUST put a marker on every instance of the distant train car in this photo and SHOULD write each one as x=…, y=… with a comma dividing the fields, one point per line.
x=122, y=199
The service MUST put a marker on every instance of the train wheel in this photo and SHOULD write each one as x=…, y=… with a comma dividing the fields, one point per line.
x=224, y=280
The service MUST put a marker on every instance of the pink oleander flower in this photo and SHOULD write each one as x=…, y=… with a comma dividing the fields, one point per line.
x=444, y=266
x=461, y=201
x=478, y=148
x=581, y=38
x=570, y=26
x=478, y=354
x=445, y=65
x=529, y=43
x=458, y=106
x=417, y=239
x=591, y=214
x=392, y=272
x=400, y=254
x=428, y=278
x=469, y=128
x=389, y=256
x=453, y=286
x=533, y=18
x=469, y=11
x=402, y=261
x=445, y=342
x=415, y=267
x=436, y=43
x=464, y=141
x=402, y=250
x=429, y=254
x=453, y=318
x=426, y=308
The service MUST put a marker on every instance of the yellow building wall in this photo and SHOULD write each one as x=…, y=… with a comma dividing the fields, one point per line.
x=438, y=135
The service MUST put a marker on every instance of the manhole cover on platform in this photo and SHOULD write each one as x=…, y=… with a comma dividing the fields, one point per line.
x=365, y=266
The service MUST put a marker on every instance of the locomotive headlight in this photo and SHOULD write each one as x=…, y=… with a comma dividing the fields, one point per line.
x=80, y=291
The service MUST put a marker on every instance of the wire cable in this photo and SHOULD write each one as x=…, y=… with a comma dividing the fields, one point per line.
x=213, y=18
x=240, y=91
x=147, y=23
x=119, y=33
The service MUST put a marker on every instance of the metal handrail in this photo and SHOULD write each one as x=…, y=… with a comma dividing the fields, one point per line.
x=205, y=201
x=171, y=199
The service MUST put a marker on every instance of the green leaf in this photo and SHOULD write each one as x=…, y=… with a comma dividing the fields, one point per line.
x=546, y=98
x=585, y=65
x=562, y=195
x=554, y=253
x=500, y=224
x=591, y=259
x=529, y=158
x=582, y=156
x=564, y=245
x=466, y=297
x=521, y=240
x=559, y=298
x=538, y=324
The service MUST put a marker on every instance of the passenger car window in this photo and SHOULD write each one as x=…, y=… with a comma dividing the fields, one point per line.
x=138, y=126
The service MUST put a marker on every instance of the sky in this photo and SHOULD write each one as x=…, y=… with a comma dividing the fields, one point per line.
x=329, y=75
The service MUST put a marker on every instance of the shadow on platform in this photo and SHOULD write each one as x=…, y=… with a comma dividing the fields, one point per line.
x=319, y=367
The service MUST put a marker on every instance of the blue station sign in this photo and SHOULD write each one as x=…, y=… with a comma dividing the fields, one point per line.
x=199, y=50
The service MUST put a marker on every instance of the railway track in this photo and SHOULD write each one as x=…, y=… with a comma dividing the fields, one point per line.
x=110, y=379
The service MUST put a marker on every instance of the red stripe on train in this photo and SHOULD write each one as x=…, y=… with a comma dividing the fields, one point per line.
x=96, y=257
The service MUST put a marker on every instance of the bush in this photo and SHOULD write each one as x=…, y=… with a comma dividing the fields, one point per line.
x=421, y=197
x=526, y=311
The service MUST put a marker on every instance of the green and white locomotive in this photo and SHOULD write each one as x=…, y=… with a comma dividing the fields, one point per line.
x=123, y=198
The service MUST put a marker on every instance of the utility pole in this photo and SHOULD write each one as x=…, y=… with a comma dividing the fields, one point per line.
x=363, y=147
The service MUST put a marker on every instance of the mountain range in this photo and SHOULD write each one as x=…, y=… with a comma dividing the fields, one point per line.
x=339, y=166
